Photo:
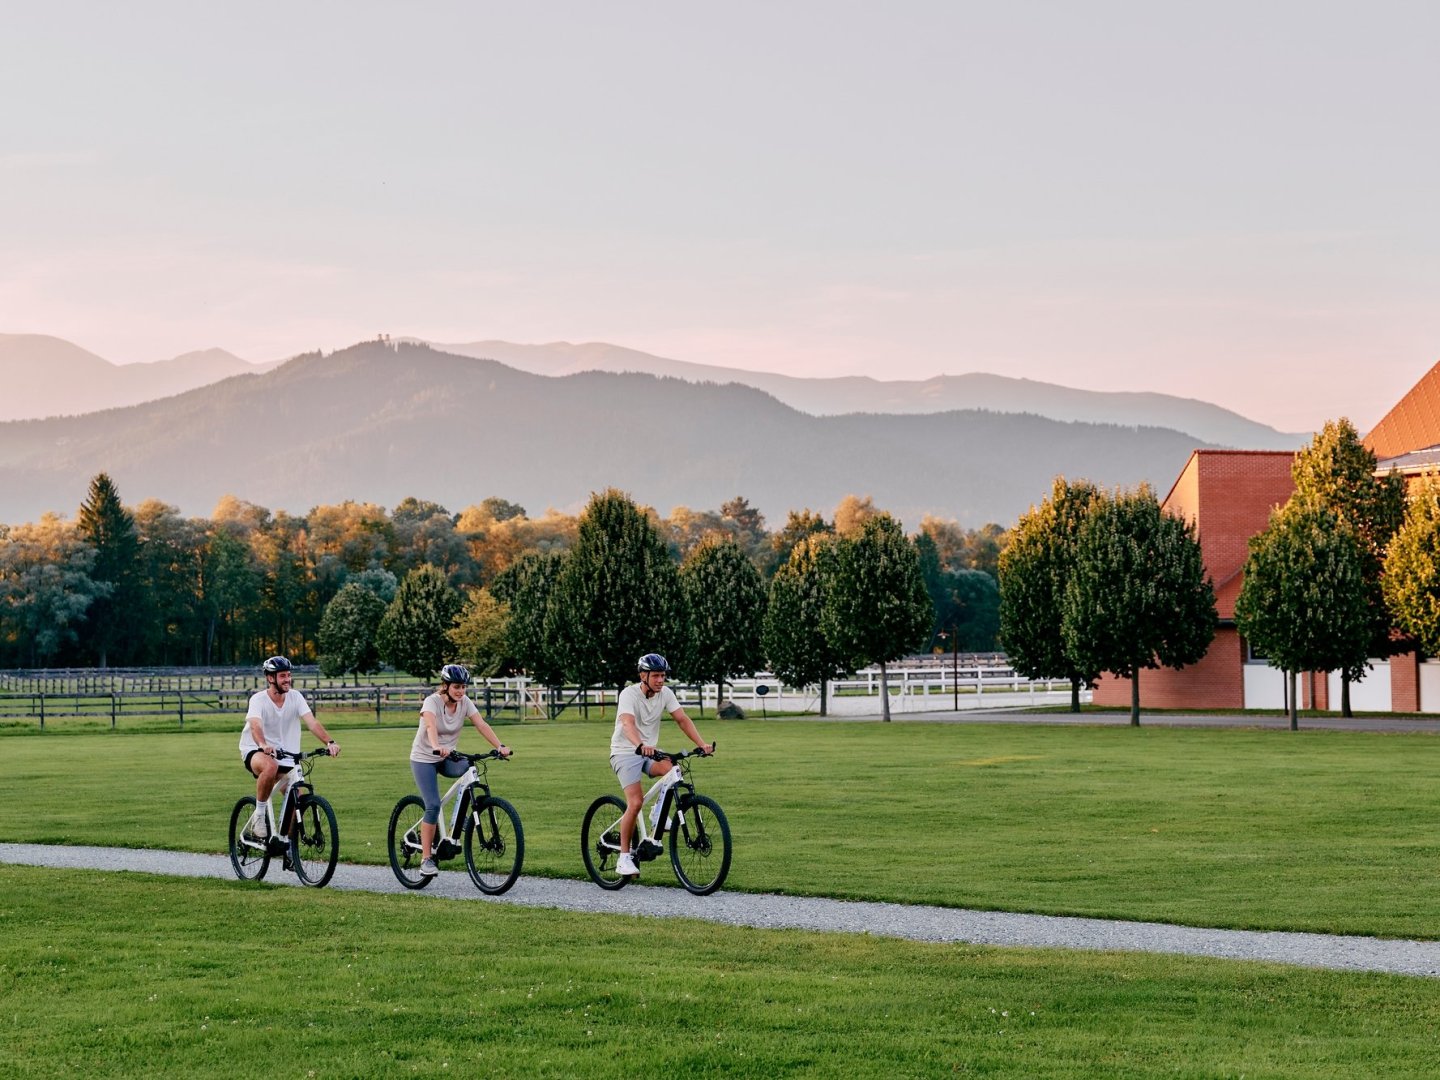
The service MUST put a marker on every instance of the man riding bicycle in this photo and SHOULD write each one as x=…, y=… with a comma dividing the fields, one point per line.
x=272, y=722
x=633, y=745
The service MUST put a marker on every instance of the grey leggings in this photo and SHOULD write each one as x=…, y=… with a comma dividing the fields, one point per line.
x=427, y=779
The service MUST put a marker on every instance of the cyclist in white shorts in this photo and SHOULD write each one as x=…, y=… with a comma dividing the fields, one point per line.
x=632, y=748
x=272, y=722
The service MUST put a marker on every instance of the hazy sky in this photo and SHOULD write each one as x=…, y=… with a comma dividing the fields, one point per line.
x=1233, y=201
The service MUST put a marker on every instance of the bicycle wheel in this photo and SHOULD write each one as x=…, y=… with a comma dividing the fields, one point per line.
x=700, y=845
x=600, y=841
x=494, y=844
x=249, y=860
x=403, y=840
x=315, y=843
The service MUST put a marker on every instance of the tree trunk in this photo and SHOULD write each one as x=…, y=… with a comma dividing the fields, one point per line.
x=1294, y=711
x=1075, y=694
x=1345, y=695
x=823, y=684
x=1135, y=699
x=884, y=694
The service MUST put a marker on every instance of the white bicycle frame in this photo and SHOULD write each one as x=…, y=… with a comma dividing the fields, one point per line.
x=283, y=784
x=446, y=827
x=649, y=823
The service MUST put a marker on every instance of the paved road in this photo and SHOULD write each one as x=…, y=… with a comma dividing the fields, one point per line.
x=914, y=922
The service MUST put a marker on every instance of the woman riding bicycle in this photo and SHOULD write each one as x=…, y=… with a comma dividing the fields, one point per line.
x=632, y=746
x=441, y=717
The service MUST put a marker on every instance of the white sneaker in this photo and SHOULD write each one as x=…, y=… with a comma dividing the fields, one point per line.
x=428, y=868
x=258, y=826
x=626, y=867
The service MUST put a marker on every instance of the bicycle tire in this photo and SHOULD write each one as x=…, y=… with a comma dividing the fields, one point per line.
x=403, y=840
x=314, y=841
x=601, y=851
x=494, y=844
x=248, y=863
x=697, y=837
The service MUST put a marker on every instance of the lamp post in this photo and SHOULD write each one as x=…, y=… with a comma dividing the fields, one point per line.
x=955, y=663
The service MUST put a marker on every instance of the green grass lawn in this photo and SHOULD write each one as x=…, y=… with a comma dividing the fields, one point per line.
x=1321, y=831
x=124, y=975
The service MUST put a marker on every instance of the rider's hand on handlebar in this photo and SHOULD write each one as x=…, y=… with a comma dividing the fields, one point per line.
x=645, y=751
x=504, y=751
x=333, y=747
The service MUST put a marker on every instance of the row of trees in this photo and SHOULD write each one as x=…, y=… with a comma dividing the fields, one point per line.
x=1093, y=582
x=1348, y=570
x=840, y=601
x=146, y=585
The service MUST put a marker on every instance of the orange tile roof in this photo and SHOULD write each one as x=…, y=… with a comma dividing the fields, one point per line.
x=1414, y=422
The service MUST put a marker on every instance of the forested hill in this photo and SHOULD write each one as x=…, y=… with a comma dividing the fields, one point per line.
x=379, y=422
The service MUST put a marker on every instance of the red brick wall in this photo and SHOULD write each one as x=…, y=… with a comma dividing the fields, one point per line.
x=1216, y=682
x=1405, y=682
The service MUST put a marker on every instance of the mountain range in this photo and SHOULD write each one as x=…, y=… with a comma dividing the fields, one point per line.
x=381, y=421
x=37, y=369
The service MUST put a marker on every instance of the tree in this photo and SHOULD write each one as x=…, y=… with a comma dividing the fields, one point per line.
x=724, y=601
x=414, y=634
x=230, y=591
x=1138, y=596
x=974, y=610
x=1412, y=569
x=109, y=528
x=1337, y=471
x=480, y=634
x=172, y=553
x=45, y=586
x=1035, y=569
x=852, y=513
x=617, y=594
x=1303, y=602
x=793, y=633
x=348, y=631
x=798, y=526
x=877, y=609
x=527, y=589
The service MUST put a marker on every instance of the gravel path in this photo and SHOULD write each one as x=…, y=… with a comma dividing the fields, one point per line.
x=811, y=913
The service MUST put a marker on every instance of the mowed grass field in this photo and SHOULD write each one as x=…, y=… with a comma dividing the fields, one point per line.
x=123, y=975
x=1334, y=832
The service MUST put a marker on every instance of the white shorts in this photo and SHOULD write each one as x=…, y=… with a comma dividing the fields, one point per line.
x=630, y=767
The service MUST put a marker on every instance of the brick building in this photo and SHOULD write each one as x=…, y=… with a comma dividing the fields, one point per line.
x=1228, y=495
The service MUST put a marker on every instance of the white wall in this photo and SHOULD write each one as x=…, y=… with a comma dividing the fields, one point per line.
x=1370, y=694
x=1430, y=686
x=1264, y=686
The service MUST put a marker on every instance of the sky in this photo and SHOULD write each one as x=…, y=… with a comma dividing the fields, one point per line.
x=1235, y=202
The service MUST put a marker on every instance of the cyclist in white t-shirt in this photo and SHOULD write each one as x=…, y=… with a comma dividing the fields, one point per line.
x=632, y=747
x=272, y=722
x=442, y=717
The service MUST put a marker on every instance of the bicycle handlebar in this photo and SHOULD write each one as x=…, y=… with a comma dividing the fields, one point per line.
x=682, y=755
x=456, y=755
x=322, y=751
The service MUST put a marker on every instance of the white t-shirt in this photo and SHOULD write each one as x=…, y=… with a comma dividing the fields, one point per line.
x=281, y=723
x=447, y=727
x=648, y=713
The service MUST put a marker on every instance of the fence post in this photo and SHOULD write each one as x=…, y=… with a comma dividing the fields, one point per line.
x=42, y=710
x=112, y=710
x=180, y=696
x=377, y=706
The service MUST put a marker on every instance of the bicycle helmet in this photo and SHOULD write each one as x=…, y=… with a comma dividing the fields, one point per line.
x=653, y=661
x=275, y=664
x=455, y=673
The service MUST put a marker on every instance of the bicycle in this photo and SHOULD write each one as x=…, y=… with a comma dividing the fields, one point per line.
x=699, y=833
x=491, y=836
x=308, y=839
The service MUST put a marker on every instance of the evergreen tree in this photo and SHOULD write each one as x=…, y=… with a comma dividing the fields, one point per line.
x=793, y=634
x=1303, y=603
x=617, y=594
x=1138, y=596
x=104, y=524
x=877, y=609
x=1035, y=568
x=724, y=609
x=414, y=634
x=1337, y=471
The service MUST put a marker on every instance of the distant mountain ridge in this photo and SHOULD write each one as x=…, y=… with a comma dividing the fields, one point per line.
x=854, y=394
x=51, y=377
x=47, y=376
x=379, y=422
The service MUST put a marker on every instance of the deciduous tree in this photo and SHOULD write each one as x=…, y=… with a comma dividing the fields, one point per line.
x=1138, y=596
x=348, y=631
x=793, y=634
x=724, y=609
x=1303, y=602
x=414, y=634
